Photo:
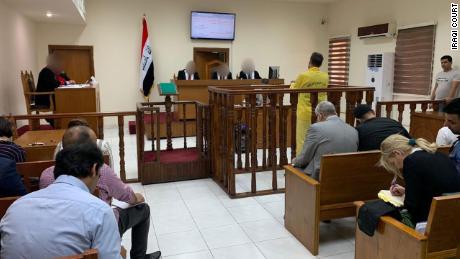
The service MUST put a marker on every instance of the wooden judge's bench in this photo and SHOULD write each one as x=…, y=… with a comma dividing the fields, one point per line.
x=78, y=100
x=197, y=90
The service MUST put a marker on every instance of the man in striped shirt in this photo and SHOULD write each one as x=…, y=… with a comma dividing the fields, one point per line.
x=109, y=186
x=8, y=149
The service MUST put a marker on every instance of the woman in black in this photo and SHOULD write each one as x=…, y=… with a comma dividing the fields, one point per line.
x=426, y=173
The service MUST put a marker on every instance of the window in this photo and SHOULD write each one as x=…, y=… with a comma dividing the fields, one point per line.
x=414, y=60
x=339, y=60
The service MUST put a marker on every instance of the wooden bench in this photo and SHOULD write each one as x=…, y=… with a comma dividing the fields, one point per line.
x=31, y=171
x=88, y=254
x=392, y=239
x=344, y=179
x=5, y=203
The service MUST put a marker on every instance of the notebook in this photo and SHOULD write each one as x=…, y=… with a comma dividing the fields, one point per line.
x=397, y=201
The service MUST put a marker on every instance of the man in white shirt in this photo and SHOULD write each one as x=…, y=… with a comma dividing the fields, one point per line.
x=445, y=137
x=446, y=84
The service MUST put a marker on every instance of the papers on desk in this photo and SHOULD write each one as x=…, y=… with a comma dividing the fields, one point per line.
x=122, y=205
x=385, y=195
x=75, y=86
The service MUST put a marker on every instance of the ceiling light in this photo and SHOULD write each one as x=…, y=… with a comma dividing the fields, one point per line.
x=49, y=14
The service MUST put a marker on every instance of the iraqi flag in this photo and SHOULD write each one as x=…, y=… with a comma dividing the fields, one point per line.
x=146, y=64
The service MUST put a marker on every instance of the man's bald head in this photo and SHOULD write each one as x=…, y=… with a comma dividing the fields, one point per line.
x=78, y=135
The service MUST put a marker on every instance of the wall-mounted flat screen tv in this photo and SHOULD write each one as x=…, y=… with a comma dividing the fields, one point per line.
x=212, y=26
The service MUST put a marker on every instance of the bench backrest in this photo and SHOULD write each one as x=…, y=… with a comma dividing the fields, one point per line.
x=443, y=226
x=88, y=254
x=350, y=177
x=31, y=172
x=5, y=203
x=444, y=149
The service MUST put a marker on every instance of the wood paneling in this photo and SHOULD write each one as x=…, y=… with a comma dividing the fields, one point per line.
x=77, y=61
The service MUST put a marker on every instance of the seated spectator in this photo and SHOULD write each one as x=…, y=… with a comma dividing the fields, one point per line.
x=426, y=173
x=445, y=137
x=189, y=73
x=452, y=112
x=102, y=144
x=222, y=73
x=110, y=186
x=10, y=181
x=8, y=149
x=329, y=135
x=248, y=70
x=373, y=130
x=65, y=218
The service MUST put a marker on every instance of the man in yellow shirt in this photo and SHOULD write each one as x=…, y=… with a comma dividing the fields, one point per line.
x=312, y=78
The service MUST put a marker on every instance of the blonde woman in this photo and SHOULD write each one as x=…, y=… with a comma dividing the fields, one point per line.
x=426, y=173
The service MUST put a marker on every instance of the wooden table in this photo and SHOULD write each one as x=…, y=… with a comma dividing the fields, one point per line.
x=426, y=125
x=50, y=138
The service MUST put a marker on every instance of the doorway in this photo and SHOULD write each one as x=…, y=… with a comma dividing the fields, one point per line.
x=77, y=61
x=206, y=59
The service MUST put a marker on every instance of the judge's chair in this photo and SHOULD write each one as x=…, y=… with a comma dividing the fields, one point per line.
x=158, y=160
x=28, y=85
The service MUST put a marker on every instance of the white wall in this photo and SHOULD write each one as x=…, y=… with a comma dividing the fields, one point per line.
x=272, y=33
x=17, y=52
x=345, y=16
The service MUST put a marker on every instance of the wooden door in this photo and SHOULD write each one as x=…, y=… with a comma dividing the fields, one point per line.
x=77, y=61
x=204, y=56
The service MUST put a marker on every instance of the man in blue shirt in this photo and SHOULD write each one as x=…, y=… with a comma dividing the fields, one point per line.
x=452, y=111
x=65, y=218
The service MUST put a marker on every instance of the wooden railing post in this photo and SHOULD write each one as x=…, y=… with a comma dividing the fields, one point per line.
x=369, y=97
x=294, y=97
x=121, y=136
x=334, y=98
x=184, y=118
x=100, y=126
x=272, y=159
x=264, y=131
x=230, y=150
x=282, y=130
x=199, y=128
x=168, y=105
x=351, y=104
x=388, y=109
x=400, y=112
x=239, y=162
x=253, y=146
x=314, y=103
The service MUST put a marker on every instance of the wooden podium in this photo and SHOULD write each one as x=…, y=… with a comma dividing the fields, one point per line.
x=77, y=100
x=197, y=90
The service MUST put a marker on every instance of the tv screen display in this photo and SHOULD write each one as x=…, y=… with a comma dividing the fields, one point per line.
x=212, y=26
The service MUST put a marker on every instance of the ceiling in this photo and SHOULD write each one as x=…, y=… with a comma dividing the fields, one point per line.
x=64, y=11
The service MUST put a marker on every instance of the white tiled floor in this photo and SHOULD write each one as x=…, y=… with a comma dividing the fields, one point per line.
x=197, y=220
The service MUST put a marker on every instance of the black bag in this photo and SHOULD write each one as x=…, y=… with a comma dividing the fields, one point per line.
x=369, y=215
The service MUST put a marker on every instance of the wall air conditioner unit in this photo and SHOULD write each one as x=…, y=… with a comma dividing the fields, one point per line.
x=379, y=30
x=379, y=74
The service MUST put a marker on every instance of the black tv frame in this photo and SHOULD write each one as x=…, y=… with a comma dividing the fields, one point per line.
x=234, y=26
